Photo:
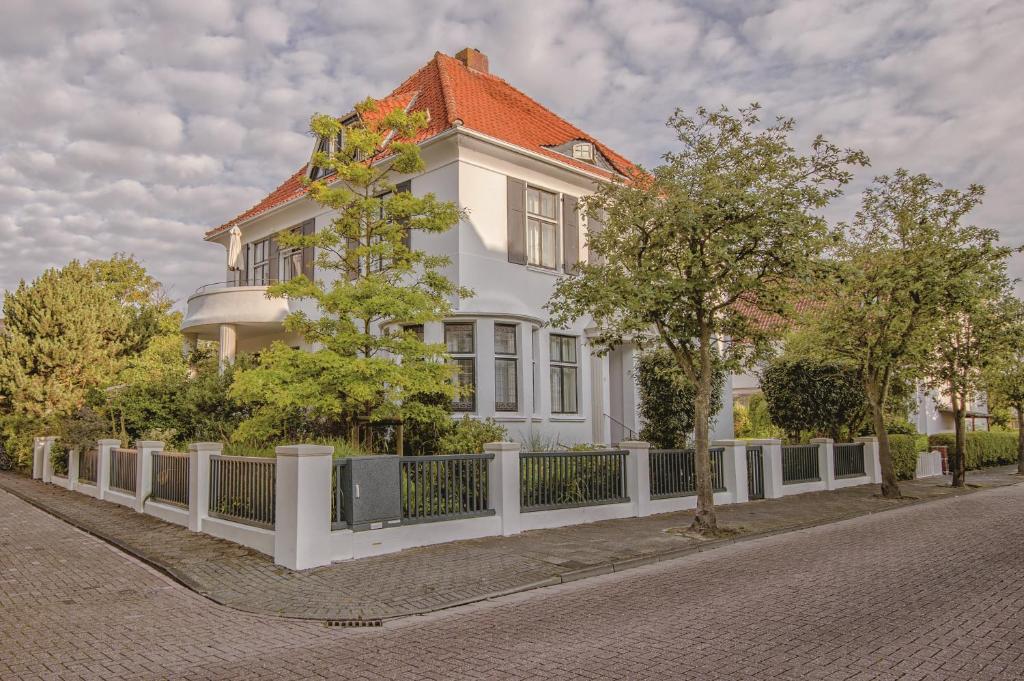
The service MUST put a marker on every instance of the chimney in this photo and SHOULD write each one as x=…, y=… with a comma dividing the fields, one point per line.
x=473, y=59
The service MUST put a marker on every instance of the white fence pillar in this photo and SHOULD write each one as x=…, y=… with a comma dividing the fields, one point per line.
x=772, y=455
x=872, y=466
x=144, y=470
x=302, y=516
x=103, y=466
x=37, y=457
x=826, y=460
x=503, y=484
x=199, y=482
x=73, y=469
x=734, y=464
x=47, y=458
x=638, y=475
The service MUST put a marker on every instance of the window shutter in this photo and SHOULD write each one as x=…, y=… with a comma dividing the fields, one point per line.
x=570, y=233
x=273, y=255
x=516, y=221
x=308, y=229
x=405, y=186
x=594, y=226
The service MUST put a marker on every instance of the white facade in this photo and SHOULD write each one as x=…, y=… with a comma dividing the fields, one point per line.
x=473, y=171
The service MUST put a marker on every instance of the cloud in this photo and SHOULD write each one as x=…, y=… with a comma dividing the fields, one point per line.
x=136, y=127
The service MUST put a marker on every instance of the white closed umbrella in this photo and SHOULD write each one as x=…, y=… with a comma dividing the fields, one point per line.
x=235, y=249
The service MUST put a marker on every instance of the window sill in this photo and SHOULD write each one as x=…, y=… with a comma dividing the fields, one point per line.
x=568, y=418
x=509, y=418
x=544, y=270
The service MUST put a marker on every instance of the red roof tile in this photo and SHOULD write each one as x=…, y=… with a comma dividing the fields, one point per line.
x=455, y=95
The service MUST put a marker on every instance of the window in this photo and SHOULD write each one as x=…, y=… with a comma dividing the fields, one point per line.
x=415, y=329
x=506, y=368
x=459, y=339
x=316, y=172
x=583, y=151
x=563, y=375
x=260, y=274
x=541, y=228
x=291, y=260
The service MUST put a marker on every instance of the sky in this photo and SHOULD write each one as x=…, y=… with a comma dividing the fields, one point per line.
x=136, y=126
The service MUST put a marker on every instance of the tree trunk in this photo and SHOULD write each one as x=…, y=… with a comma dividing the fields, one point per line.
x=960, y=430
x=1020, y=439
x=890, y=486
x=705, y=520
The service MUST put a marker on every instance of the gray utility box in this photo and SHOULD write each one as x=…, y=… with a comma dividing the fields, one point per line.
x=372, y=488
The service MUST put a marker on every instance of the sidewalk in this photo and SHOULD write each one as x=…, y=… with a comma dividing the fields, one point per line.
x=441, y=576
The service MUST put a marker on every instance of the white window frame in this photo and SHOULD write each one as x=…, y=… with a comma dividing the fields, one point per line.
x=285, y=263
x=562, y=365
x=555, y=222
x=259, y=274
x=504, y=358
x=464, y=404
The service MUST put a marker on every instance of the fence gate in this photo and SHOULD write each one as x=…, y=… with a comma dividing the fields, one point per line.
x=755, y=472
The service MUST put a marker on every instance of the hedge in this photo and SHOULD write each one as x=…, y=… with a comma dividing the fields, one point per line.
x=983, y=448
x=904, y=449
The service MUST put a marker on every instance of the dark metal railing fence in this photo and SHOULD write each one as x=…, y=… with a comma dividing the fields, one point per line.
x=123, y=466
x=674, y=472
x=755, y=472
x=444, y=487
x=800, y=464
x=549, y=480
x=170, y=478
x=849, y=459
x=243, y=489
x=338, y=519
x=88, y=466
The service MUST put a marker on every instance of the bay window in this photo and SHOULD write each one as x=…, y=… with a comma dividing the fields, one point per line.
x=459, y=338
x=506, y=368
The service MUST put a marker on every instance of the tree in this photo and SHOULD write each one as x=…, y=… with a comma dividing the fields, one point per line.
x=724, y=230
x=822, y=397
x=64, y=335
x=906, y=254
x=666, y=399
x=1003, y=375
x=362, y=371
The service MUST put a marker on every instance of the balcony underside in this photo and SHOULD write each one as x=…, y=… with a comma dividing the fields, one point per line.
x=247, y=307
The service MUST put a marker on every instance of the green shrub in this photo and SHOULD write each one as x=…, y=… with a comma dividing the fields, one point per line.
x=469, y=436
x=983, y=448
x=904, y=449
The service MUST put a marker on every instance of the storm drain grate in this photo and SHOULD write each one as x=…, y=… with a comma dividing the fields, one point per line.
x=354, y=623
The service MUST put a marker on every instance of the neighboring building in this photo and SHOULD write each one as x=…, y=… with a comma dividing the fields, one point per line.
x=518, y=170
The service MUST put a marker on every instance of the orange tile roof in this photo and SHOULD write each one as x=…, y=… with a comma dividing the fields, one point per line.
x=457, y=96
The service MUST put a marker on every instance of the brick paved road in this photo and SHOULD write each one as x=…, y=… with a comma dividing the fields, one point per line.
x=933, y=591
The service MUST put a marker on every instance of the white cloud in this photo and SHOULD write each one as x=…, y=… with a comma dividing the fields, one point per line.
x=127, y=126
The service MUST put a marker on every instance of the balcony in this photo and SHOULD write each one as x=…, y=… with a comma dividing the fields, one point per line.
x=242, y=305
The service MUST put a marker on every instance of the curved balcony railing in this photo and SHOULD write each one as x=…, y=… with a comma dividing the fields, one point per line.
x=243, y=301
x=218, y=285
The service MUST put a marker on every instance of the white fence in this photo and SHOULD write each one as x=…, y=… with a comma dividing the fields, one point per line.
x=286, y=507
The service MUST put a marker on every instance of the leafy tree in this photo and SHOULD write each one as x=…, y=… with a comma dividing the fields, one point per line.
x=667, y=399
x=361, y=370
x=64, y=335
x=1003, y=378
x=905, y=255
x=973, y=332
x=822, y=397
x=726, y=227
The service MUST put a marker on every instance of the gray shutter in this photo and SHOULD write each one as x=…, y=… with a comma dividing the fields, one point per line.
x=594, y=226
x=570, y=233
x=516, y=221
x=273, y=255
x=308, y=229
x=405, y=186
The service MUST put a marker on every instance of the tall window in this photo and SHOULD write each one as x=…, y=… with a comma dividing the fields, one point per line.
x=506, y=368
x=291, y=261
x=541, y=228
x=260, y=275
x=459, y=339
x=564, y=375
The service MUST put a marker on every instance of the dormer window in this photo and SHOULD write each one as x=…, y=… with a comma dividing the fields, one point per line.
x=583, y=151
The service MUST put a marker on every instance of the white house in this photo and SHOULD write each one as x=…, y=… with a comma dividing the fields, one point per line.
x=517, y=169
